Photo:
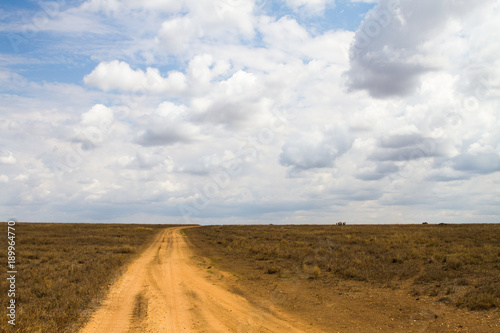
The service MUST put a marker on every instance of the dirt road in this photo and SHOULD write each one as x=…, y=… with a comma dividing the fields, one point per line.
x=165, y=291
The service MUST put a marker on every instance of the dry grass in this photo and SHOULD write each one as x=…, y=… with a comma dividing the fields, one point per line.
x=64, y=269
x=457, y=264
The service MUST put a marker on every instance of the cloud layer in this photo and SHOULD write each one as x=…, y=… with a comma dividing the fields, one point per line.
x=236, y=111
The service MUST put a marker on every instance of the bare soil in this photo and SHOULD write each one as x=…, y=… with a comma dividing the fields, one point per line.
x=168, y=289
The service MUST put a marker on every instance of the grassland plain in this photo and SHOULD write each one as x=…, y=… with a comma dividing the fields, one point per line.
x=65, y=269
x=452, y=267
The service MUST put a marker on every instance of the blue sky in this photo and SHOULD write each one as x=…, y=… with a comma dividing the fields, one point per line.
x=245, y=111
x=57, y=56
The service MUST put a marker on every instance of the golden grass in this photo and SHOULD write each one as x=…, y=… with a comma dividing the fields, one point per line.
x=63, y=269
x=457, y=264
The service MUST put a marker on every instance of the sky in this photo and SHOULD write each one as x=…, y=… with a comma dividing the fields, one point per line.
x=250, y=111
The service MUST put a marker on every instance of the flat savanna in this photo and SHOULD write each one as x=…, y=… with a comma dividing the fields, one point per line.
x=353, y=278
x=366, y=278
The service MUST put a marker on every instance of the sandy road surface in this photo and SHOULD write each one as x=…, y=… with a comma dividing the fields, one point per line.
x=164, y=291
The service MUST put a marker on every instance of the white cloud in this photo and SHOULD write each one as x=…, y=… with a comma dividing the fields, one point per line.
x=217, y=22
x=188, y=91
x=400, y=41
x=6, y=157
x=119, y=75
x=224, y=19
x=178, y=33
x=233, y=103
x=316, y=149
x=202, y=69
x=99, y=116
x=285, y=33
x=167, y=126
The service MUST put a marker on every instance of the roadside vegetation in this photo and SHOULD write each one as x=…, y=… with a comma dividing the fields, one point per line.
x=65, y=269
x=459, y=265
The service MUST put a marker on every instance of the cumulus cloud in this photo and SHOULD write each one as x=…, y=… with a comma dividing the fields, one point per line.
x=318, y=149
x=94, y=126
x=379, y=171
x=218, y=21
x=6, y=157
x=447, y=174
x=204, y=165
x=224, y=20
x=162, y=133
x=285, y=34
x=177, y=33
x=407, y=147
x=146, y=160
x=482, y=163
x=257, y=87
x=167, y=126
x=118, y=75
x=399, y=41
x=99, y=115
x=202, y=70
x=232, y=103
